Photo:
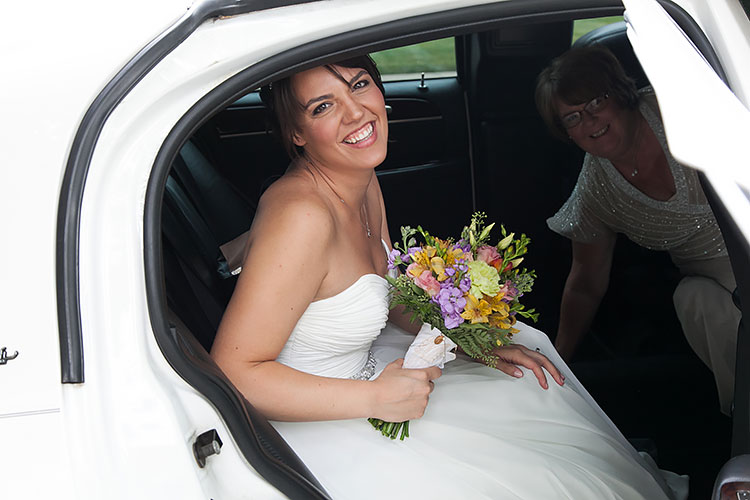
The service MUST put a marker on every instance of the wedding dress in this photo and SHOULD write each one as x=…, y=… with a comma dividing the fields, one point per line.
x=484, y=434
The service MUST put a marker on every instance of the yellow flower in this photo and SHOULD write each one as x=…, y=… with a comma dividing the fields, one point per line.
x=415, y=269
x=423, y=256
x=438, y=267
x=500, y=321
x=476, y=310
x=497, y=303
x=452, y=255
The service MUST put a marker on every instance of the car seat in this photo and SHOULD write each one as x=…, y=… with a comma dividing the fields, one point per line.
x=201, y=211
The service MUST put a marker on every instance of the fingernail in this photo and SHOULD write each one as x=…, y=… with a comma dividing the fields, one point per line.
x=518, y=373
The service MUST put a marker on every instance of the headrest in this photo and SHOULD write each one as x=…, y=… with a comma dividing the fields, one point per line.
x=614, y=37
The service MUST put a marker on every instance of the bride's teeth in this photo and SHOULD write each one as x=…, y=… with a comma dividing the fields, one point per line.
x=363, y=134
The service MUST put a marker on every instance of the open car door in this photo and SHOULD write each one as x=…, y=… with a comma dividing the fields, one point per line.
x=707, y=127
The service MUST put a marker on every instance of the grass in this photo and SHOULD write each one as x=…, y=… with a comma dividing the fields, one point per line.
x=583, y=26
x=440, y=55
x=437, y=55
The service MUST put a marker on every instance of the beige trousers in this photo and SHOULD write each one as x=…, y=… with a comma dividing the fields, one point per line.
x=709, y=319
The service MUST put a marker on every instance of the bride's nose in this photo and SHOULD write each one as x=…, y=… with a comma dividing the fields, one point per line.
x=353, y=109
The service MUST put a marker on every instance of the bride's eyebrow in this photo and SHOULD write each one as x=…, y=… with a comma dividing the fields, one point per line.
x=356, y=77
x=318, y=99
x=350, y=83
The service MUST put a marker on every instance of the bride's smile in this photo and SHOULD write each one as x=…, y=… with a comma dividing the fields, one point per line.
x=343, y=124
x=366, y=133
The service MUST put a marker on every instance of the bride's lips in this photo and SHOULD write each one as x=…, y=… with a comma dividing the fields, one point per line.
x=362, y=137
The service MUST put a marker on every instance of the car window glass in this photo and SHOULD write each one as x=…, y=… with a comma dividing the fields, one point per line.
x=436, y=58
x=583, y=26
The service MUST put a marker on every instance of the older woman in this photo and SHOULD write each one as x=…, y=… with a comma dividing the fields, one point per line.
x=630, y=184
x=298, y=337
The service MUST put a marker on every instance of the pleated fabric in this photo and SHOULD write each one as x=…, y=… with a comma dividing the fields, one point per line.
x=484, y=434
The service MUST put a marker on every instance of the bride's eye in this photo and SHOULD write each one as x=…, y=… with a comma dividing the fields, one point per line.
x=361, y=84
x=321, y=107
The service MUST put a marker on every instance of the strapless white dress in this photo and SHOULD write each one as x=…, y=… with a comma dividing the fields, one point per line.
x=484, y=434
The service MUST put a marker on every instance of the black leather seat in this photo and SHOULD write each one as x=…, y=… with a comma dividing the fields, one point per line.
x=614, y=37
x=201, y=211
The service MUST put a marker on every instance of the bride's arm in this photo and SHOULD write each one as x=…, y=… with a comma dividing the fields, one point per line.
x=398, y=315
x=282, y=273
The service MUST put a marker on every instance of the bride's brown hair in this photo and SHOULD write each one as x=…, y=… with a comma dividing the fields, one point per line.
x=285, y=108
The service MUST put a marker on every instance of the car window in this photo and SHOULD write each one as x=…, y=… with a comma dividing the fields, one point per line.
x=436, y=59
x=583, y=26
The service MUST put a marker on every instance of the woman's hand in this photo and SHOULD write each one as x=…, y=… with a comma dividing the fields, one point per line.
x=401, y=393
x=510, y=356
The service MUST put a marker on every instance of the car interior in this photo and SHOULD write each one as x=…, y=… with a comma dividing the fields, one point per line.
x=478, y=135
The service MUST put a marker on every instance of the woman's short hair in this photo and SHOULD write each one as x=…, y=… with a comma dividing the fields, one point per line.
x=576, y=77
x=285, y=108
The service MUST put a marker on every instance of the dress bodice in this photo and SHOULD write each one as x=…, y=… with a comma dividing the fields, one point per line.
x=334, y=335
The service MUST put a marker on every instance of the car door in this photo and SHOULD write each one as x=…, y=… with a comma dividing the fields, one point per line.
x=708, y=133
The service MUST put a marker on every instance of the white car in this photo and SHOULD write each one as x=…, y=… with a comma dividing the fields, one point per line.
x=123, y=123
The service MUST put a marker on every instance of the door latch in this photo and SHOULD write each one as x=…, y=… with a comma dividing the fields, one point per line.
x=205, y=445
x=4, y=358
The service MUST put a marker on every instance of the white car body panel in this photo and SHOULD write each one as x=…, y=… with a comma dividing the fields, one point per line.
x=686, y=86
x=46, y=100
x=126, y=432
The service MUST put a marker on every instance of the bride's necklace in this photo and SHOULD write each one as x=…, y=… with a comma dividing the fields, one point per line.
x=363, y=208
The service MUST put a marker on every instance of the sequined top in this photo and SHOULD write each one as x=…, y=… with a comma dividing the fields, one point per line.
x=603, y=203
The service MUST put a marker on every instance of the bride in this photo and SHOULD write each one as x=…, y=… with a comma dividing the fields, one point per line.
x=305, y=338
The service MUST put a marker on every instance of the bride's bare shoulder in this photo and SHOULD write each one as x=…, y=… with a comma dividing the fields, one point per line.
x=293, y=204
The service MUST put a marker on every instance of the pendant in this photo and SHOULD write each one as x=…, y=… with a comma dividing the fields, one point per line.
x=635, y=172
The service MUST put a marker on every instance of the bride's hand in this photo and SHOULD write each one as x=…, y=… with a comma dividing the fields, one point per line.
x=510, y=356
x=401, y=394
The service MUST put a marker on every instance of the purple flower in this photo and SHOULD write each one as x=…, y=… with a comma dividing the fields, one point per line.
x=453, y=321
x=465, y=284
x=452, y=303
x=392, y=257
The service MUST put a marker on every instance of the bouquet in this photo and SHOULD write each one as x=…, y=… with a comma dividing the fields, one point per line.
x=467, y=291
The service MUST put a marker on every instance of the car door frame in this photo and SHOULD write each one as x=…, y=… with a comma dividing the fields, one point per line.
x=365, y=40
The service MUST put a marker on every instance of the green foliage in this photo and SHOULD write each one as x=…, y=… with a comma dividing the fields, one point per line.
x=583, y=26
x=433, y=56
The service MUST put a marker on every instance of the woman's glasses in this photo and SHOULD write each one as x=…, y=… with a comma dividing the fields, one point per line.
x=592, y=107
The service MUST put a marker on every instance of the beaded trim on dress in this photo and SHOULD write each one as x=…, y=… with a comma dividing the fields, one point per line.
x=368, y=370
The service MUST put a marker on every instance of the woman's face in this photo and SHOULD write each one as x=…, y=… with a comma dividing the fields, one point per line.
x=343, y=123
x=604, y=133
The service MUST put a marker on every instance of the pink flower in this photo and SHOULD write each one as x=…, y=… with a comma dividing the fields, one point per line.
x=509, y=291
x=427, y=282
x=487, y=254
